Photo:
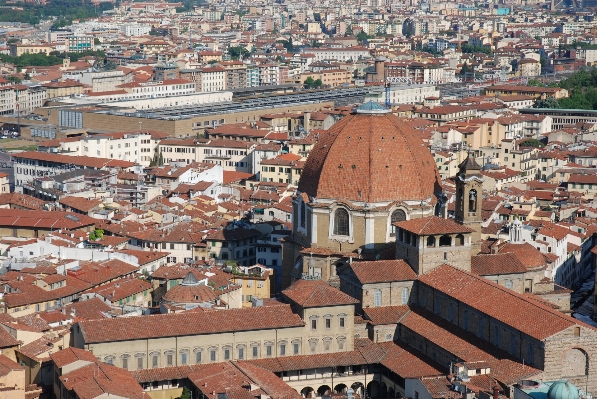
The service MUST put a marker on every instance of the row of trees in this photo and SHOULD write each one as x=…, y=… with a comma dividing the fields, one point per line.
x=65, y=10
x=311, y=83
x=582, y=88
x=41, y=59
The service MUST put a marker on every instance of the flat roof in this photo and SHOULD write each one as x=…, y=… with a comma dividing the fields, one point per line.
x=252, y=104
x=558, y=111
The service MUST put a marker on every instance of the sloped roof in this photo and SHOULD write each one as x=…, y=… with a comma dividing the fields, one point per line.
x=316, y=293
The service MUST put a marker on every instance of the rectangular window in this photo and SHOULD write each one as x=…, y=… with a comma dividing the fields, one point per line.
x=377, y=298
x=255, y=354
x=212, y=355
x=226, y=354
x=169, y=360
x=342, y=322
x=139, y=363
x=154, y=361
x=295, y=349
x=183, y=358
x=328, y=323
x=282, y=349
x=241, y=353
x=125, y=363
x=314, y=324
x=268, y=350
x=198, y=357
x=405, y=295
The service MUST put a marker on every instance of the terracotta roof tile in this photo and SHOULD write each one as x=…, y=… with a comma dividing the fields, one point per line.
x=189, y=323
x=498, y=302
x=432, y=225
x=370, y=158
x=382, y=271
x=491, y=264
x=316, y=293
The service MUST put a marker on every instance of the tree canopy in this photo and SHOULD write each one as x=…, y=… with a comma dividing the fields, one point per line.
x=532, y=143
x=237, y=51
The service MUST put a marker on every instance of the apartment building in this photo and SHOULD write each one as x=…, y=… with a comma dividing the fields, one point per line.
x=232, y=155
x=285, y=168
x=63, y=89
x=79, y=44
x=339, y=53
x=166, y=88
x=103, y=80
x=18, y=49
x=134, y=147
x=29, y=165
x=269, y=74
x=236, y=74
x=329, y=77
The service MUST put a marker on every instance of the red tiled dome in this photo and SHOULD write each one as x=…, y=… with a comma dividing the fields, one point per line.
x=190, y=294
x=370, y=157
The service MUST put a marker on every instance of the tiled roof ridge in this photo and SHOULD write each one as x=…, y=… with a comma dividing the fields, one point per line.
x=521, y=297
x=406, y=145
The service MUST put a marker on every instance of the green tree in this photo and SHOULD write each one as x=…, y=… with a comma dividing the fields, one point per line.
x=96, y=41
x=237, y=51
x=14, y=79
x=549, y=102
x=362, y=36
x=160, y=159
x=532, y=143
x=467, y=48
x=535, y=83
x=186, y=393
x=309, y=82
x=318, y=83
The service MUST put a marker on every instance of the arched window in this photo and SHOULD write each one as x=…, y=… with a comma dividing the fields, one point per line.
x=459, y=240
x=445, y=241
x=461, y=197
x=431, y=241
x=341, y=222
x=397, y=216
x=302, y=214
x=472, y=201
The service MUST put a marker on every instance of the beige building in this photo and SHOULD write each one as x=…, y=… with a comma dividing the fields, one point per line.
x=12, y=379
x=257, y=282
x=136, y=147
x=236, y=334
x=63, y=89
x=340, y=210
x=18, y=49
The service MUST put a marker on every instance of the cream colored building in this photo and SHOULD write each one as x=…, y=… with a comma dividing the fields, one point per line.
x=133, y=147
x=12, y=379
x=103, y=81
x=17, y=49
x=236, y=334
x=256, y=282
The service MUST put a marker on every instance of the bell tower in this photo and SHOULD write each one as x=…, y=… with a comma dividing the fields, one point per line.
x=469, y=190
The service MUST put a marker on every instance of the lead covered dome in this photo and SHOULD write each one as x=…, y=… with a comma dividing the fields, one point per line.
x=370, y=156
x=562, y=390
